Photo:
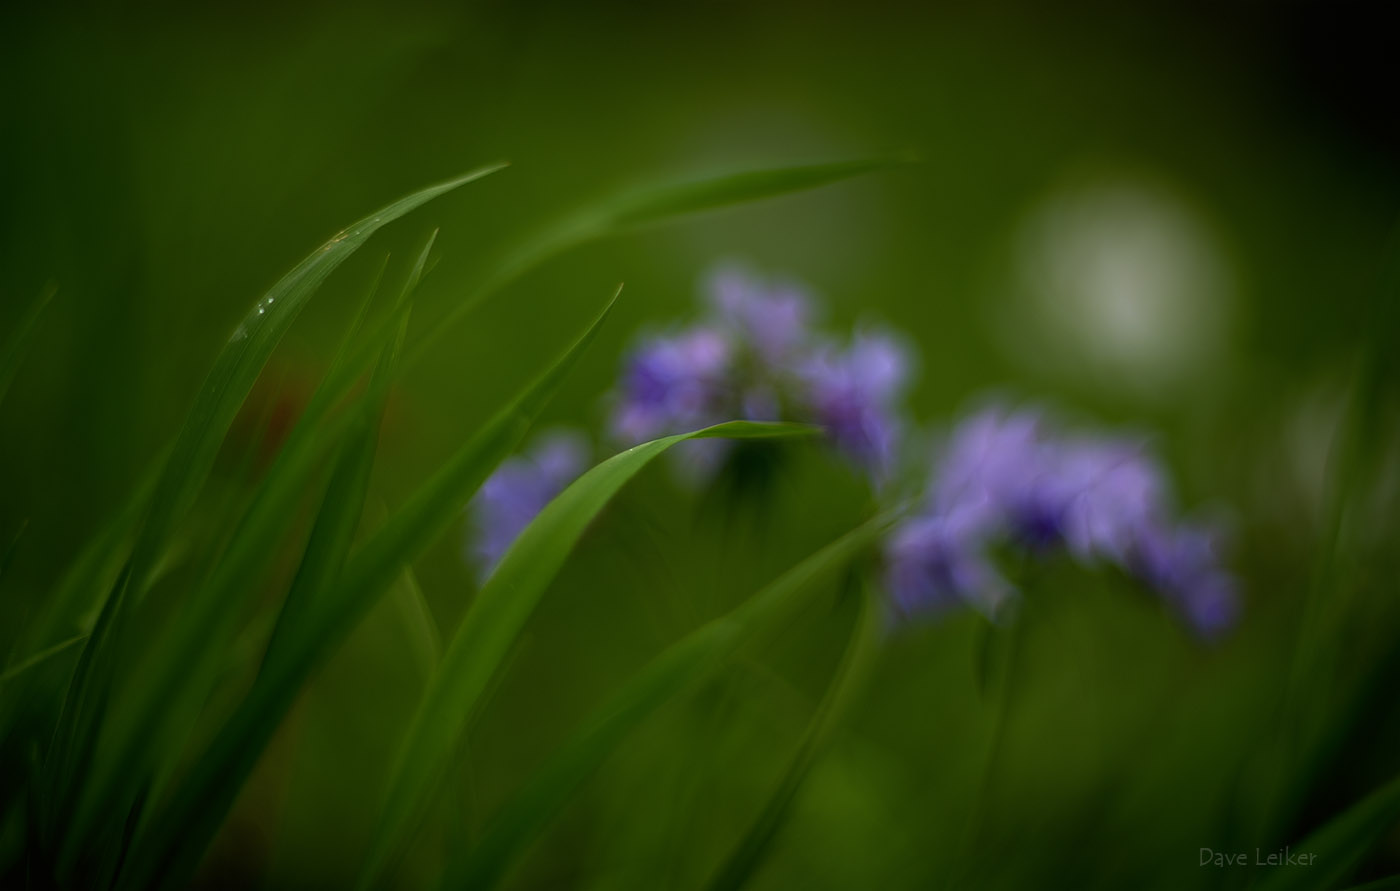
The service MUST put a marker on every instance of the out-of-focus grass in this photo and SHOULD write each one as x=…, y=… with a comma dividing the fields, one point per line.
x=161, y=165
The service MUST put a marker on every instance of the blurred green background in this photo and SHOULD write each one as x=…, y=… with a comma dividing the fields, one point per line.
x=1173, y=217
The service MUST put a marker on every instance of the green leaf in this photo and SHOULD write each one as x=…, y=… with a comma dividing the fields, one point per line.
x=1384, y=884
x=164, y=856
x=10, y=549
x=13, y=351
x=681, y=667
x=191, y=457
x=615, y=215
x=629, y=210
x=243, y=357
x=44, y=655
x=438, y=502
x=493, y=623
x=846, y=684
x=421, y=630
x=651, y=205
x=315, y=623
x=1341, y=844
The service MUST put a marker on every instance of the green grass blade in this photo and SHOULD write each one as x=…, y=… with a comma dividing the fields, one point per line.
x=438, y=502
x=44, y=655
x=846, y=685
x=192, y=455
x=415, y=275
x=10, y=549
x=493, y=623
x=218, y=402
x=629, y=210
x=615, y=215
x=243, y=357
x=682, y=666
x=201, y=802
x=165, y=856
x=1340, y=845
x=653, y=205
x=84, y=704
x=424, y=639
x=13, y=351
x=72, y=605
x=1384, y=884
x=165, y=694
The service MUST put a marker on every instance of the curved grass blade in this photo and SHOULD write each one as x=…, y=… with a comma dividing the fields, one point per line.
x=848, y=682
x=493, y=623
x=1378, y=885
x=13, y=351
x=156, y=860
x=218, y=402
x=198, y=806
x=418, y=624
x=12, y=548
x=44, y=655
x=682, y=666
x=164, y=695
x=243, y=357
x=1339, y=846
x=633, y=209
x=615, y=215
x=439, y=501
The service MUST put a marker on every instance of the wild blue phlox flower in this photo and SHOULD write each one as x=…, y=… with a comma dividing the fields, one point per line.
x=755, y=355
x=1012, y=478
x=518, y=490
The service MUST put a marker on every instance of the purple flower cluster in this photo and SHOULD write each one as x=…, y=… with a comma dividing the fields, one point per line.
x=755, y=355
x=1005, y=478
x=518, y=490
x=1009, y=477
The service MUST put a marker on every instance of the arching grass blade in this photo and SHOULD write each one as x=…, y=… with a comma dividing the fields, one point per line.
x=630, y=210
x=313, y=625
x=16, y=345
x=682, y=666
x=493, y=623
x=1337, y=848
x=846, y=684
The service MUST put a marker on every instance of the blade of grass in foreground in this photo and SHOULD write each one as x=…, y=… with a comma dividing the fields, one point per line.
x=187, y=667
x=318, y=623
x=243, y=357
x=322, y=564
x=846, y=684
x=683, y=665
x=492, y=625
x=154, y=710
x=634, y=209
x=192, y=456
x=1379, y=884
x=439, y=501
x=15, y=347
x=40, y=657
x=1340, y=845
x=612, y=216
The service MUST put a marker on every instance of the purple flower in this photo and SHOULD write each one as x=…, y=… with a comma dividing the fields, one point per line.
x=518, y=490
x=1119, y=495
x=1010, y=477
x=998, y=461
x=755, y=356
x=673, y=384
x=934, y=562
x=772, y=321
x=854, y=394
x=1182, y=563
